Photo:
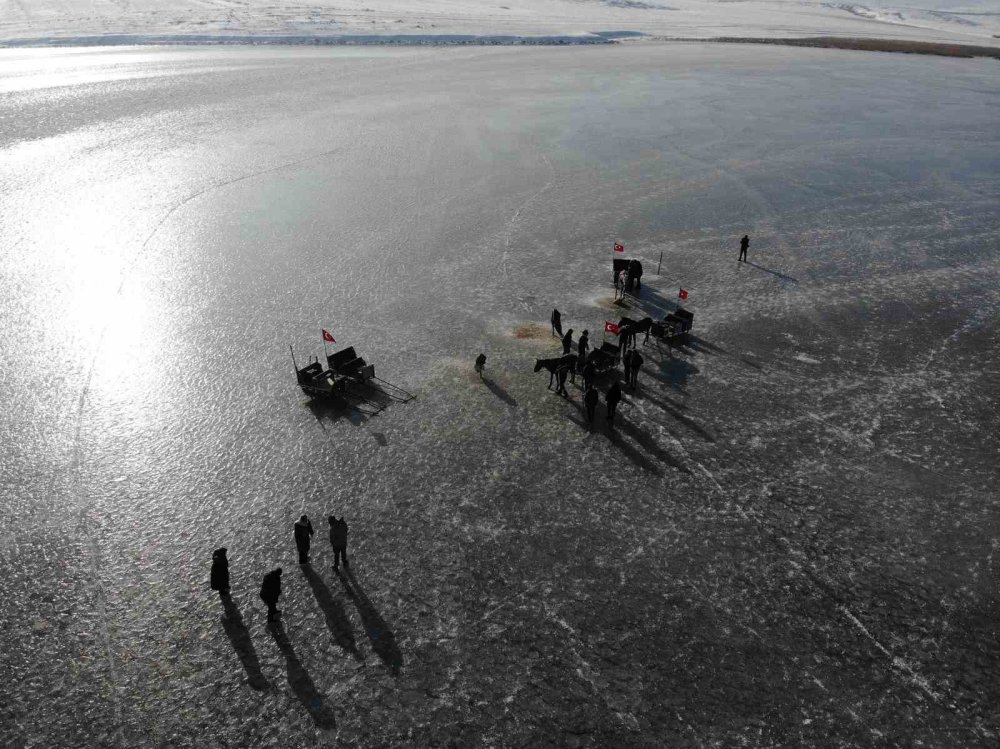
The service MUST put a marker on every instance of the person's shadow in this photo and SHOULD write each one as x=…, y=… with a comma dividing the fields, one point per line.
x=239, y=636
x=336, y=618
x=500, y=393
x=775, y=273
x=382, y=639
x=300, y=681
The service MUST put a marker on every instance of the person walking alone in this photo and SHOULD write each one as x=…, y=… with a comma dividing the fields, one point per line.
x=338, y=540
x=220, y=572
x=270, y=592
x=303, y=530
x=614, y=395
x=567, y=341
x=556, y=323
x=744, y=243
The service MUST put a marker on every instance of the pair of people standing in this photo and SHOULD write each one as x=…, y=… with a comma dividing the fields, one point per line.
x=612, y=398
x=338, y=539
x=632, y=362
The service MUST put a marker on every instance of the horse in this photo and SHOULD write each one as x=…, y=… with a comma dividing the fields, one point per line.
x=628, y=328
x=555, y=365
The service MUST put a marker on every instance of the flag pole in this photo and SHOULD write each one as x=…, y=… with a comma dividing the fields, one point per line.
x=325, y=352
x=294, y=364
x=658, y=264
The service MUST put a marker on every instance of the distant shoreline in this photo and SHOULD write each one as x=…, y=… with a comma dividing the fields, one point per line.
x=940, y=49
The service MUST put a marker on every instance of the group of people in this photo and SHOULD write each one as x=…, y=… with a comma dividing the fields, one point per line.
x=270, y=589
x=632, y=361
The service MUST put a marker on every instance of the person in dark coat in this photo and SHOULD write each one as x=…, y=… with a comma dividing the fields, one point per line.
x=614, y=395
x=480, y=364
x=627, y=365
x=582, y=346
x=556, y=323
x=636, y=365
x=744, y=243
x=567, y=341
x=303, y=530
x=589, y=375
x=338, y=540
x=220, y=572
x=590, y=403
x=270, y=592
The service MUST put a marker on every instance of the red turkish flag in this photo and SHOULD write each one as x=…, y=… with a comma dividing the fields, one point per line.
x=683, y=294
x=327, y=337
x=610, y=327
x=619, y=247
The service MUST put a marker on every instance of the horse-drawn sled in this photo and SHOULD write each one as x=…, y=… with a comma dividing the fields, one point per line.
x=347, y=364
x=674, y=328
x=347, y=382
x=606, y=357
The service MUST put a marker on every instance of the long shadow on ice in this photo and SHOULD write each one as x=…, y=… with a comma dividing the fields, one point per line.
x=336, y=618
x=334, y=411
x=239, y=636
x=381, y=637
x=647, y=443
x=627, y=450
x=675, y=372
x=500, y=393
x=300, y=681
x=775, y=273
x=674, y=410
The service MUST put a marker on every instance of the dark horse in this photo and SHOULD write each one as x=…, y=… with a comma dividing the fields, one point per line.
x=556, y=365
x=629, y=328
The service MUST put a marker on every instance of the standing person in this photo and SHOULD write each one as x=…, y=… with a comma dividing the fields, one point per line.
x=614, y=395
x=303, y=530
x=622, y=280
x=270, y=592
x=338, y=540
x=480, y=364
x=582, y=347
x=556, y=323
x=744, y=243
x=636, y=365
x=627, y=366
x=567, y=341
x=220, y=572
x=590, y=403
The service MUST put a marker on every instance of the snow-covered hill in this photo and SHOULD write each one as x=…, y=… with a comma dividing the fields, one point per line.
x=970, y=21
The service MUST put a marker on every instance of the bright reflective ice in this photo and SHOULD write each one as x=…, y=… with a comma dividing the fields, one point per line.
x=789, y=538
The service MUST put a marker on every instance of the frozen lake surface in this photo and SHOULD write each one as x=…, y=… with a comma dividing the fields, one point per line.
x=790, y=537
